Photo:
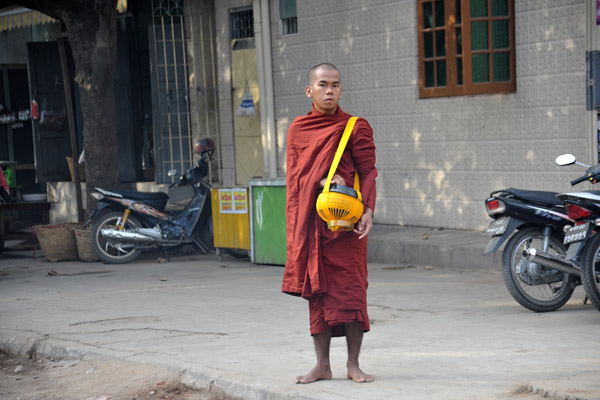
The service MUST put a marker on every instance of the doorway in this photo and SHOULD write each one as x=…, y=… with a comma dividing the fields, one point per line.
x=245, y=98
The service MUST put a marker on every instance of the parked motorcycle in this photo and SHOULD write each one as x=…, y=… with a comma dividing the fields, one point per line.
x=530, y=220
x=584, y=244
x=127, y=222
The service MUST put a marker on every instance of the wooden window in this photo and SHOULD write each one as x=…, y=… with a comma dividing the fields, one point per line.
x=466, y=47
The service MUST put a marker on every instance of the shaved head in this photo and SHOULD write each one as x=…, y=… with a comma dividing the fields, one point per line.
x=326, y=66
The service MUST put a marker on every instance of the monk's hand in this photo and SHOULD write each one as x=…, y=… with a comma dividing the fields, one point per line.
x=338, y=180
x=365, y=224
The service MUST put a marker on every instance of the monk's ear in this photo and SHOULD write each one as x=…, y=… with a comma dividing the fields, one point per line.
x=308, y=91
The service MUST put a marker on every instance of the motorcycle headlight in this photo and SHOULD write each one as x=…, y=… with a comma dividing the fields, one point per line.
x=97, y=196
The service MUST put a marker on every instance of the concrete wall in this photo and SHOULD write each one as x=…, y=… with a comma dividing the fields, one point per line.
x=14, y=42
x=438, y=159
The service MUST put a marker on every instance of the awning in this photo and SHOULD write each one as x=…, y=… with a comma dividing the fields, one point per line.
x=20, y=17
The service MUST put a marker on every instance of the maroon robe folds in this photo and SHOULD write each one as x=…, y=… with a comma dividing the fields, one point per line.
x=327, y=268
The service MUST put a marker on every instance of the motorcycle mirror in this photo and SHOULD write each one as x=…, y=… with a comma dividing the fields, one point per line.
x=172, y=172
x=565, y=159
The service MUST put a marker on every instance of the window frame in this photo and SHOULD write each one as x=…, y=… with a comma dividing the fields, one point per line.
x=468, y=87
x=285, y=20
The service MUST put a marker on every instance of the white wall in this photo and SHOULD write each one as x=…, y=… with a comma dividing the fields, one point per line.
x=438, y=159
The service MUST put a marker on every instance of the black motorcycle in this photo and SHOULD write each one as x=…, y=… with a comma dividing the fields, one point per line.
x=532, y=220
x=127, y=222
x=581, y=237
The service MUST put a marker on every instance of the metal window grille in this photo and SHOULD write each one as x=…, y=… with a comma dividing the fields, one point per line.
x=241, y=23
x=168, y=8
x=170, y=91
x=289, y=25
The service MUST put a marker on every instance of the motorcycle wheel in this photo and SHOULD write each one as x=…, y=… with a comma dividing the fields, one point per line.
x=105, y=249
x=540, y=297
x=590, y=270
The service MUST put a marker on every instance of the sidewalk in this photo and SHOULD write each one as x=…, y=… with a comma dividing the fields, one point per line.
x=447, y=330
x=390, y=244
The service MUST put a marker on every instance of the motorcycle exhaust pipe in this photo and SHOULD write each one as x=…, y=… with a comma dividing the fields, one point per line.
x=126, y=236
x=550, y=261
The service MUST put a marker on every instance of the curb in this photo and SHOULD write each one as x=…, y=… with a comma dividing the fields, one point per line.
x=552, y=395
x=193, y=378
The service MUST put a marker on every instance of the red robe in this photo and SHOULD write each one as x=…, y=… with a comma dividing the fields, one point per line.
x=3, y=183
x=327, y=268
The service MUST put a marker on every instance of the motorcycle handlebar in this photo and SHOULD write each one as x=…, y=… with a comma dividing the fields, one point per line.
x=179, y=182
x=579, y=180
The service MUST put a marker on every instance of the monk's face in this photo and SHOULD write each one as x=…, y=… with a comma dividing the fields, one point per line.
x=325, y=90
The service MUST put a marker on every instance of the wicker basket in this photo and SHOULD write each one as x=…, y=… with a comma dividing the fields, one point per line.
x=72, y=169
x=84, y=245
x=57, y=241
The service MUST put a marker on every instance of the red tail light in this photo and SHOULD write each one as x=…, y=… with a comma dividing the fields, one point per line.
x=494, y=206
x=575, y=212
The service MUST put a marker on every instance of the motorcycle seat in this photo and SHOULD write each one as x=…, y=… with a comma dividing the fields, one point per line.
x=535, y=196
x=157, y=200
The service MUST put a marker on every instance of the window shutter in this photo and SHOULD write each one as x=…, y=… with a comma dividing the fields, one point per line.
x=287, y=9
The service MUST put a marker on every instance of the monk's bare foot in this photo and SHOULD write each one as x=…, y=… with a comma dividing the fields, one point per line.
x=357, y=375
x=316, y=374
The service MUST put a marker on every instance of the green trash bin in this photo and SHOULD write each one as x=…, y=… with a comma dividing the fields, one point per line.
x=267, y=213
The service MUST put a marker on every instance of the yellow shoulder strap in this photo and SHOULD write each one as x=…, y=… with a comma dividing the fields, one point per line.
x=338, y=157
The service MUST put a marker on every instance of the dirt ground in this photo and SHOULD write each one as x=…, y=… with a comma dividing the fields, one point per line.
x=24, y=379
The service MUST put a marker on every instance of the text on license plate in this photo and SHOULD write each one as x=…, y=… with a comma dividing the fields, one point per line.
x=576, y=233
x=497, y=227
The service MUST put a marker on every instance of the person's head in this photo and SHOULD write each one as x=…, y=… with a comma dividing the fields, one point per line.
x=324, y=87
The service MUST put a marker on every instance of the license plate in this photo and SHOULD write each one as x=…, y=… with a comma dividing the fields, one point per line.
x=577, y=233
x=497, y=227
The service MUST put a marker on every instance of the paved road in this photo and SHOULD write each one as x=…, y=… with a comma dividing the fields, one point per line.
x=436, y=333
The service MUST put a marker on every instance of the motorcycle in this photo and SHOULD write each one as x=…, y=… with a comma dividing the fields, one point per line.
x=127, y=222
x=530, y=220
x=584, y=243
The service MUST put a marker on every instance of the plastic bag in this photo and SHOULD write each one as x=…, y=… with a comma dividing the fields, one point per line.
x=51, y=119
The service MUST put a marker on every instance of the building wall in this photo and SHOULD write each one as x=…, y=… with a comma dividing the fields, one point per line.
x=14, y=42
x=438, y=159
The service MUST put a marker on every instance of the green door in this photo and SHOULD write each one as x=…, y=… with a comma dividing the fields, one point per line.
x=269, y=224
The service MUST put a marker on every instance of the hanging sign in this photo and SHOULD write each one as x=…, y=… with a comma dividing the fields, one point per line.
x=246, y=108
x=233, y=201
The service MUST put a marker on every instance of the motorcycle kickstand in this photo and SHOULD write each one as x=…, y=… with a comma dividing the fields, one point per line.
x=166, y=254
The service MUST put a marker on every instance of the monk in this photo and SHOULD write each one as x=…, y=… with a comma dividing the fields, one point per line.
x=329, y=269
